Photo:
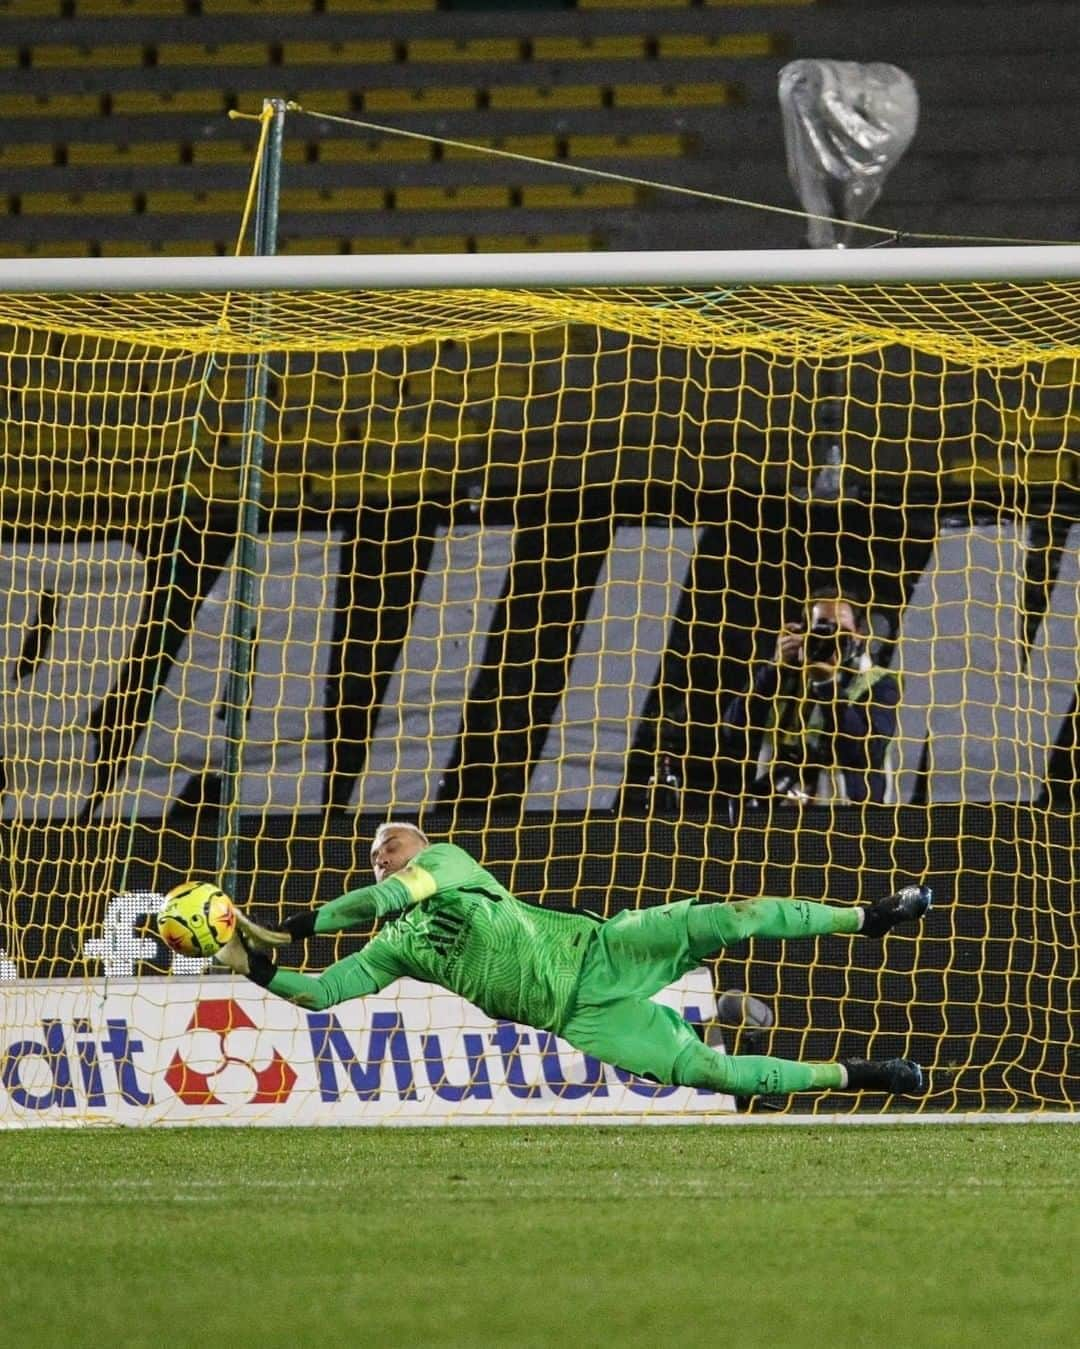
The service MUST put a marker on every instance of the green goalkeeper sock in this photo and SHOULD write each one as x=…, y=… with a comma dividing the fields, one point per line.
x=754, y=1074
x=710, y=927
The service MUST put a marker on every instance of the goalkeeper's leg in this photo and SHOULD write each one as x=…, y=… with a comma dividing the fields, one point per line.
x=641, y=951
x=653, y=1041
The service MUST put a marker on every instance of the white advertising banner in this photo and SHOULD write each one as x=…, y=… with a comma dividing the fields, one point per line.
x=221, y=1051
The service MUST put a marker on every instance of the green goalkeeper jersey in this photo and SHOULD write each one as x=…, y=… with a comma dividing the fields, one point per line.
x=453, y=924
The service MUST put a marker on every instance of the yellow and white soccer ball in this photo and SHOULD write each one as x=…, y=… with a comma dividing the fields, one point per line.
x=196, y=919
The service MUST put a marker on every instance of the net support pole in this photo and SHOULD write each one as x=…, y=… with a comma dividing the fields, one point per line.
x=243, y=617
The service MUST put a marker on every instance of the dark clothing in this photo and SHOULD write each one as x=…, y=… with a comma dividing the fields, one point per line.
x=846, y=725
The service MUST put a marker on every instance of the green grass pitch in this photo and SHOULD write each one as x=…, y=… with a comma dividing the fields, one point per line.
x=733, y=1236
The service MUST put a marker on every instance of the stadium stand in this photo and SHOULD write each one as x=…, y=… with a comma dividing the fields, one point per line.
x=108, y=101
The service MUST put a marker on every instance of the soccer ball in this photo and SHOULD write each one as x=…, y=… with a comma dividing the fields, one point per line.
x=197, y=919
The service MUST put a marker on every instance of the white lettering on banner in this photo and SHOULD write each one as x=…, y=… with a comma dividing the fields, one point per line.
x=220, y=1051
x=991, y=721
x=120, y=950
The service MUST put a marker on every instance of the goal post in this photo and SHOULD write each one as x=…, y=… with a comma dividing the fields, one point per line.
x=526, y=532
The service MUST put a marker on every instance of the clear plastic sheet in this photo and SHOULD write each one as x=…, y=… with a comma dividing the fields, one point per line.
x=846, y=125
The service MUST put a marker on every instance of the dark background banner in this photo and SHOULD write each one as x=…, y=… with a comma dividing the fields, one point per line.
x=985, y=994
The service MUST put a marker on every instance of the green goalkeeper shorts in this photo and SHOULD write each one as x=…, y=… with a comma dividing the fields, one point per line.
x=612, y=1017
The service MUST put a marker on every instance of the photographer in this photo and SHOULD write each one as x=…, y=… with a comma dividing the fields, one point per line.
x=819, y=718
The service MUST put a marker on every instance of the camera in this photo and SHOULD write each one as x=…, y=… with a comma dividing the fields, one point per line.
x=829, y=644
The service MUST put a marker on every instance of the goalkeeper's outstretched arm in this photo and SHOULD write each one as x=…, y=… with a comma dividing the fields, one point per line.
x=355, y=908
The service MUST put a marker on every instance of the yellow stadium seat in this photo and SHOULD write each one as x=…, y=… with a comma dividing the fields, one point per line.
x=76, y=203
x=132, y=102
x=65, y=248
x=325, y=100
x=600, y=48
x=26, y=154
x=333, y=199
x=445, y=50
x=338, y=53
x=140, y=9
x=544, y=96
x=658, y=144
x=526, y=243
x=63, y=55
x=466, y=197
x=213, y=54
x=222, y=152
x=324, y=244
x=540, y=147
x=372, y=152
x=674, y=95
x=720, y=44
x=543, y=195
x=685, y=4
x=9, y=56
x=169, y=201
x=50, y=105
x=82, y=154
x=210, y=7
x=30, y=9
x=433, y=99
x=423, y=243
x=390, y=7
x=197, y=248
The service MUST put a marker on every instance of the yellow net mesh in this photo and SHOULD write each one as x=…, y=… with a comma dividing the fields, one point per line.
x=987, y=323
x=518, y=557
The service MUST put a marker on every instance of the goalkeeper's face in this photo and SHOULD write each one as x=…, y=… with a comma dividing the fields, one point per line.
x=394, y=849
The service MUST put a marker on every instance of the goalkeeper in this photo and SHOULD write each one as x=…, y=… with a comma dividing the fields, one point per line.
x=588, y=980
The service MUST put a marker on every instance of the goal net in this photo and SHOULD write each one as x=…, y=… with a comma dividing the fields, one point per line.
x=513, y=562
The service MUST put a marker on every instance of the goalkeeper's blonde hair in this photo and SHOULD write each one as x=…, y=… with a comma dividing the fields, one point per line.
x=384, y=829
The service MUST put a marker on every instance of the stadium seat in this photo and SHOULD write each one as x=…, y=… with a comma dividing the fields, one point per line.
x=674, y=95
x=454, y=98
x=318, y=244
x=28, y=154
x=76, y=203
x=545, y=196
x=440, y=50
x=541, y=147
x=466, y=197
x=135, y=102
x=720, y=44
x=531, y=243
x=654, y=144
x=337, y=53
x=87, y=154
x=31, y=9
x=318, y=199
x=50, y=105
x=213, y=54
x=525, y=96
x=64, y=55
x=391, y=7
x=136, y=8
x=52, y=248
x=324, y=100
x=371, y=152
x=601, y=48
x=169, y=201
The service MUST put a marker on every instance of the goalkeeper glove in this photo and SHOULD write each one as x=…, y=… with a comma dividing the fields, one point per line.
x=258, y=937
x=241, y=958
